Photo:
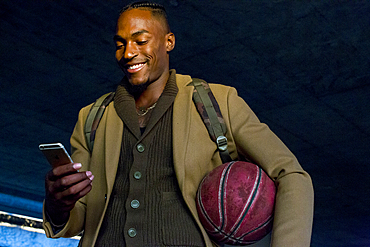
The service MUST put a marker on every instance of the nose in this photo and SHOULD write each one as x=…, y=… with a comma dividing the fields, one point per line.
x=130, y=51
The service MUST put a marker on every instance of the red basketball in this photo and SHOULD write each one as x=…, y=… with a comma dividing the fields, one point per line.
x=235, y=203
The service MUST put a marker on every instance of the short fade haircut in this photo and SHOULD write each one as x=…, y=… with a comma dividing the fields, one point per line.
x=156, y=9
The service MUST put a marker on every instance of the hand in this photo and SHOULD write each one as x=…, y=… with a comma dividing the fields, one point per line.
x=64, y=186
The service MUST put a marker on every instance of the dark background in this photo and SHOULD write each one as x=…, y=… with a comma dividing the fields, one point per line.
x=302, y=66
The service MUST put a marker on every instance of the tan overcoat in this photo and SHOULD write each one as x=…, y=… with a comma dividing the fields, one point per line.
x=195, y=154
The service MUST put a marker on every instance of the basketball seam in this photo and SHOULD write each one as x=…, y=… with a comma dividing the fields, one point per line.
x=201, y=206
x=222, y=188
x=204, y=212
x=257, y=228
x=255, y=190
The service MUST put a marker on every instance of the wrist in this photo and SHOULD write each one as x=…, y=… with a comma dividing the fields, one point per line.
x=55, y=214
x=55, y=227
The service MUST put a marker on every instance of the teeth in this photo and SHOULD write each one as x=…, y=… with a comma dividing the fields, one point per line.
x=135, y=66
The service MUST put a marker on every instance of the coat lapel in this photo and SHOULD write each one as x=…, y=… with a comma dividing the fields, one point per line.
x=113, y=140
x=181, y=126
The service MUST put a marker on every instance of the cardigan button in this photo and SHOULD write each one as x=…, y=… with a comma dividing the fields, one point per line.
x=140, y=147
x=135, y=203
x=137, y=175
x=131, y=232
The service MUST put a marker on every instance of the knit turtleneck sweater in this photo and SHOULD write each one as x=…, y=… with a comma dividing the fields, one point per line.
x=146, y=207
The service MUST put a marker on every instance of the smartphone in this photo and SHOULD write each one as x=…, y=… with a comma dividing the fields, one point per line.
x=56, y=154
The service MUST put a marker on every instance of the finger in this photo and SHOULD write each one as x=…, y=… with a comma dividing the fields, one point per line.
x=72, y=179
x=61, y=184
x=66, y=169
x=56, y=172
x=82, y=191
x=75, y=192
x=64, y=201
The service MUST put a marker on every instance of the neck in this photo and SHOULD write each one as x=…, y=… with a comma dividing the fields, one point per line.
x=152, y=93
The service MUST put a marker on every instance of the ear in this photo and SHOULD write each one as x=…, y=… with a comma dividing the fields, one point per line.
x=170, y=39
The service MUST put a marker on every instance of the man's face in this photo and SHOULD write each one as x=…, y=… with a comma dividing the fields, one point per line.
x=142, y=46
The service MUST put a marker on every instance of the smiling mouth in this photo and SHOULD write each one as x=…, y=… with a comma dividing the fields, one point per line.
x=135, y=67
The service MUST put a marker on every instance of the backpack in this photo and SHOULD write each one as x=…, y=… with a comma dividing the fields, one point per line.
x=205, y=103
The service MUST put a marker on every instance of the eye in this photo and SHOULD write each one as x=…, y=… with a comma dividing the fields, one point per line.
x=119, y=46
x=141, y=42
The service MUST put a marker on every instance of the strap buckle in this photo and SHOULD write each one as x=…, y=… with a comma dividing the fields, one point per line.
x=221, y=143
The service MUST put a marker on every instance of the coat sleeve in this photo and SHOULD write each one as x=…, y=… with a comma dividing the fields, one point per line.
x=294, y=200
x=80, y=154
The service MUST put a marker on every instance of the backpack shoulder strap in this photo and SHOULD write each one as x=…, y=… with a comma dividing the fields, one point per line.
x=94, y=116
x=209, y=110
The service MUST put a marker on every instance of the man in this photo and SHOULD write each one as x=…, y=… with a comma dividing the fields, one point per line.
x=152, y=149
